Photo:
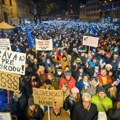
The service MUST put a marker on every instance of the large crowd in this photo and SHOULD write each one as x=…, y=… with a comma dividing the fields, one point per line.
x=88, y=76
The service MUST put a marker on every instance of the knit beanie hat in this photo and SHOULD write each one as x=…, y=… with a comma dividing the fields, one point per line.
x=30, y=101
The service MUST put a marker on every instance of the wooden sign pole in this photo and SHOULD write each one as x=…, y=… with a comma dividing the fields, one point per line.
x=8, y=96
x=48, y=113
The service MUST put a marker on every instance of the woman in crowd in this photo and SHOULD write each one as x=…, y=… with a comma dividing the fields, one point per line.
x=71, y=100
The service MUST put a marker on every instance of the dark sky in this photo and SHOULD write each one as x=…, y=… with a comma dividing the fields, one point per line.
x=81, y=1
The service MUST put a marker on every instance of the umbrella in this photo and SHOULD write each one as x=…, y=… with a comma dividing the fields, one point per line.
x=4, y=25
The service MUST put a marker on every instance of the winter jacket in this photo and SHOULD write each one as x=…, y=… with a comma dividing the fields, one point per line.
x=114, y=114
x=103, y=105
x=80, y=85
x=64, y=64
x=37, y=114
x=115, y=64
x=55, y=84
x=93, y=64
x=109, y=81
x=79, y=113
x=71, y=83
x=69, y=103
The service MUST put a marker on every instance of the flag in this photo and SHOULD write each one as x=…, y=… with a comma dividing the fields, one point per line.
x=93, y=31
x=30, y=38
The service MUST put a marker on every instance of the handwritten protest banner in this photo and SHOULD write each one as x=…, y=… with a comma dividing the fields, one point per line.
x=13, y=62
x=5, y=116
x=44, y=45
x=9, y=81
x=48, y=97
x=5, y=44
x=90, y=41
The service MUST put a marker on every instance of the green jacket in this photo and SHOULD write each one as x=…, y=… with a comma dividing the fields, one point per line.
x=103, y=105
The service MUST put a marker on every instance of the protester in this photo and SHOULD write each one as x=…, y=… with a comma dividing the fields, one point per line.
x=102, y=102
x=104, y=79
x=57, y=113
x=114, y=113
x=71, y=100
x=66, y=91
x=18, y=98
x=67, y=79
x=92, y=89
x=34, y=111
x=54, y=81
x=70, y=64
x=84, y=110
x=47, y=85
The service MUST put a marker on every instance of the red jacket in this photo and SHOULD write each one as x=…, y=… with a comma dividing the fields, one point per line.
x=109, y=80
x=71, y=83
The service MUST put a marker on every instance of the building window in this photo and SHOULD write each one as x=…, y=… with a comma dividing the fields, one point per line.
x=10, y=2
x=3, y=2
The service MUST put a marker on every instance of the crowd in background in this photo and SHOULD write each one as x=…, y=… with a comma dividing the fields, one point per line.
x=89, y=77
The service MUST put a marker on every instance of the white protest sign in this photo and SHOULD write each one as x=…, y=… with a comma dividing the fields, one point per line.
x=90, y=41
x=5, y=44
x=13, y=62
x=5, y=116
x=44, y=45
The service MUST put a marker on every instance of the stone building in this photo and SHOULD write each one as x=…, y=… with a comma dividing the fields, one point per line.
x=16, y=10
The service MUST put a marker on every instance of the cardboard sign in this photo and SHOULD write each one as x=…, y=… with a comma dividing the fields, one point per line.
x=44, y=45
x=48, y=97
x=5, y=116
x=5, y=44
x=90, y=41
x=13, y=62
x=9, y=81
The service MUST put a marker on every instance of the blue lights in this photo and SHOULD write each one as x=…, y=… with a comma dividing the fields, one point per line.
x=110, y=9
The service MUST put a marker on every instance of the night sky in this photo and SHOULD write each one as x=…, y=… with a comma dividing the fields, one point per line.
x=80, y=1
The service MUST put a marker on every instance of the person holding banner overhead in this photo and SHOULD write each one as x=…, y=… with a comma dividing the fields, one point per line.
x=57, y=113
x=47, y=85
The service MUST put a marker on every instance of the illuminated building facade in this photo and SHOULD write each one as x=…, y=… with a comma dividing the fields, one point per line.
x=15, y=10
x=94, y=10
x=110, y=9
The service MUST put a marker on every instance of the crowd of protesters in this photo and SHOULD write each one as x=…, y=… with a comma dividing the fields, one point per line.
x=89, y=77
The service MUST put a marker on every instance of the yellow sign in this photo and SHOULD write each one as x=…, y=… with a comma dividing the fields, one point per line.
x=48, y=97
x=9, y=81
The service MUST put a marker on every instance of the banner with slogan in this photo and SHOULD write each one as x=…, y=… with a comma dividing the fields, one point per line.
x=5, y=116
x=48, y=97
x=13, y=62
x=90, y=41
x=44, y=45
x=5, y=44
x=9, y=81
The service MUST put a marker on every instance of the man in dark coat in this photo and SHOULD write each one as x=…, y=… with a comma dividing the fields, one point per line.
x=84, y=110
